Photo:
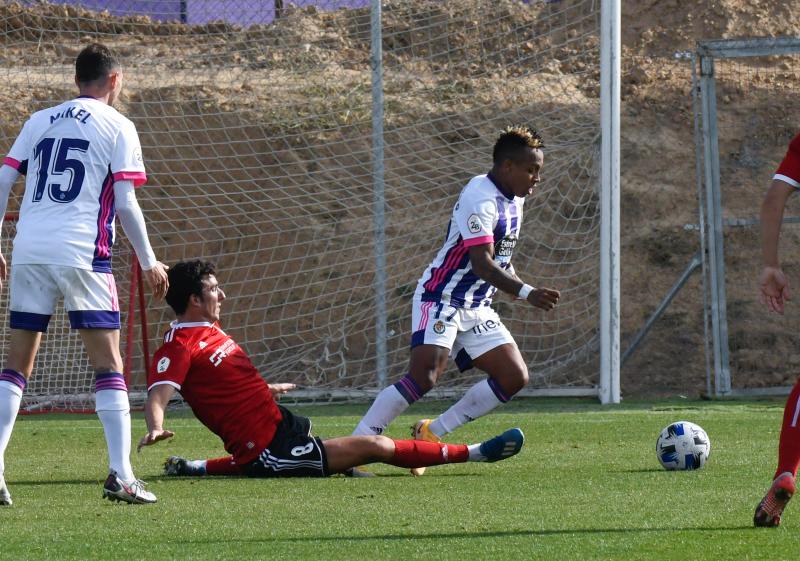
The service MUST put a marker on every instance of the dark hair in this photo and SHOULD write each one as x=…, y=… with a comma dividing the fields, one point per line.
x=513, y=140
x=94, y=62
x=185, y=279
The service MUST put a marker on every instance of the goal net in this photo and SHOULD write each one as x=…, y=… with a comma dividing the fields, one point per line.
x=256, y=121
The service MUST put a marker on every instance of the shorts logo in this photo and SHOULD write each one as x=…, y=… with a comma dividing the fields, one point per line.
x=474, y=223
x=162, y=365
x=438, y=327
x=485, y=327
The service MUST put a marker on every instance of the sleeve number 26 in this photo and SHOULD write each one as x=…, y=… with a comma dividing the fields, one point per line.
x=69, y=172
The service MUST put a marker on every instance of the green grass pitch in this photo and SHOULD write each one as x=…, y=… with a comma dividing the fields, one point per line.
x=586, y=486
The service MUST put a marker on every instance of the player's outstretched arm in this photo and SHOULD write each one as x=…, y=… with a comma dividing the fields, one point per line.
x=773, y=285
x=483, y=264
x=157, y=399
x=280, y=389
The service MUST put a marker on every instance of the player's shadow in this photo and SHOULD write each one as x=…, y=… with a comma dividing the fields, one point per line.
x=473, y=535
x=35, y=482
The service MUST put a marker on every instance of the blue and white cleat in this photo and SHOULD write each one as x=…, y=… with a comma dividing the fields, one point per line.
x=504, y=446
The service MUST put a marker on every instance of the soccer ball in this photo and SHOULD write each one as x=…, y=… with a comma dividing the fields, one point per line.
x=683, y=445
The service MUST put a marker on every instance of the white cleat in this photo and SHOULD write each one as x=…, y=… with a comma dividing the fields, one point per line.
x=5, y=496
x=114, y=489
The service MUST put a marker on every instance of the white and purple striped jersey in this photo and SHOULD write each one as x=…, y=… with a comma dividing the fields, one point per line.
x=71, y=155
x=483, y=214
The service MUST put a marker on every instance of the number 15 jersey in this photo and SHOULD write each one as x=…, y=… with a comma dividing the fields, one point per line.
x=71, y=155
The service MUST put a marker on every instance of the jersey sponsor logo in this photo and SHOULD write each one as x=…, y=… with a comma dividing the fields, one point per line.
x=438, y=327
x=202, y=344
x=485, y=327
x=162, y=365
x=505, y=247
x=137, y=155
x=222, y=351
x=474, y=223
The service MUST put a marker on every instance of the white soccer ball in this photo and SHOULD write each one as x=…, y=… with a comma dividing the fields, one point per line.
x=683, y=445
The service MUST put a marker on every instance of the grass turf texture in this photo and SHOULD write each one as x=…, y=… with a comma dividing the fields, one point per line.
x=587, y=485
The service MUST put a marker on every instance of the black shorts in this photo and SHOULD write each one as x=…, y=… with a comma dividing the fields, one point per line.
x=293, y=452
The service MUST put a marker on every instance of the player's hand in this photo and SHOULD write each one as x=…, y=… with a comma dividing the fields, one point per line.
x=154, y=436
x=278, y=389
x=157, y=279
x=774, y=288
x=544, y=298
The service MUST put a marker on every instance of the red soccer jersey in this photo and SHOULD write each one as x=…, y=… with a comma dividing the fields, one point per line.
x=789, y=170
x=221, y=385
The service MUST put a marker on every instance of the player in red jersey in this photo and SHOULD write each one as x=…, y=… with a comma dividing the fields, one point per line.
x=228, y=395
x=774, y=292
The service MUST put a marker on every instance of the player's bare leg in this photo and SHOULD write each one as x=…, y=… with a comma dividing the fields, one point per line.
x=13, y=379
x=113, y=409
x=507, y=373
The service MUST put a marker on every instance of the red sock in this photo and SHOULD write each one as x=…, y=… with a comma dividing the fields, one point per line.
x=222, y=466
x=419, y=453
x=789, y=443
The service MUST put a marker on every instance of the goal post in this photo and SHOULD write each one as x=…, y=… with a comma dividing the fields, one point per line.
x=315, y=159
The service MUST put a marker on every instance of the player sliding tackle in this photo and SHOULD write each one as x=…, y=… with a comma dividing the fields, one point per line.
x=228, y=395
x=450, y=311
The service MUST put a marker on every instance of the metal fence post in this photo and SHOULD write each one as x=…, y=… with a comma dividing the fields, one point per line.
x=379, y=221
x=716, y=253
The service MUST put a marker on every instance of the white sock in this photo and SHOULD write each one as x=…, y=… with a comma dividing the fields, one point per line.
x=10, y=397
x=477, y=402
x=388, y=404
x=115, y=414
x=475, y=453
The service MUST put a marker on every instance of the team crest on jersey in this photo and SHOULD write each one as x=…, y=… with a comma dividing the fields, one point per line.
x=438, y=327
x=162, y=365
x=474, y=223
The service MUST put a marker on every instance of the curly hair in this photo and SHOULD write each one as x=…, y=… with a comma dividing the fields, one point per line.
x=512, y=140
x=185, y=279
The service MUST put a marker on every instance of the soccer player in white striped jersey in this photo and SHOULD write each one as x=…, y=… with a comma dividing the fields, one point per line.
x=451, y=313
x=82, y=160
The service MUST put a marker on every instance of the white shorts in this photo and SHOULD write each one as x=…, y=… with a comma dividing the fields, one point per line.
x=467, y=332
x=90, y=298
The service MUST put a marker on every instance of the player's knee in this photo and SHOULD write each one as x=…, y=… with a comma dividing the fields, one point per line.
x=517, y=379
x=381, y=447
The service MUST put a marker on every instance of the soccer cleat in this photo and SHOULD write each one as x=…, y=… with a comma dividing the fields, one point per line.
x=5, y=496
x=769, y=510
x=175, y=465
x=358, y=471
x=422, y=431
x=114, y=489
x=504, y=446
